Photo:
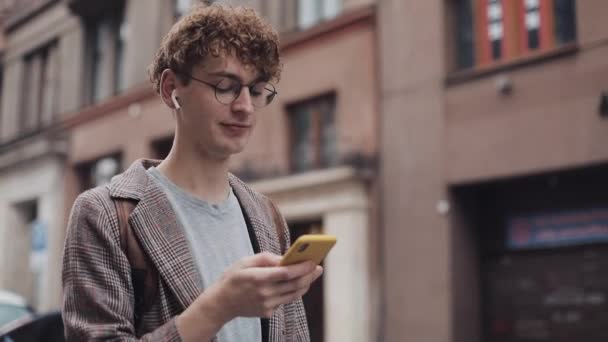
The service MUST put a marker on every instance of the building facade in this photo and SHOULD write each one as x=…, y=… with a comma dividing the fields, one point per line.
x=493, y=157
x=314, y=150
x=32, y=155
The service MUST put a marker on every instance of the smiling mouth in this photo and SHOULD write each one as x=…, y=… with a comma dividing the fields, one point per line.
x=235, y=125
x=235, y=130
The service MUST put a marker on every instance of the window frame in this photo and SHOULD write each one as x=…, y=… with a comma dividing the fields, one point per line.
x=177, y=11
x=314, y=117
x=515, y=42
x=120, y=28
x=161, y=147
x=105, y=54
x=2, y=116
x=84, y=169
x=38, y=103
x=321, y=10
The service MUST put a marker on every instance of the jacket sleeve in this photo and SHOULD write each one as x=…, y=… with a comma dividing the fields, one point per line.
x=98, y=298
x=296, y=325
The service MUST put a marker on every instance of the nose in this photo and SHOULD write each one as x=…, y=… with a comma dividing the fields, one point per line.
x=243, y=102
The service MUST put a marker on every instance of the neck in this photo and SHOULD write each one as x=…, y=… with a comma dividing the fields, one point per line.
x=196, y=173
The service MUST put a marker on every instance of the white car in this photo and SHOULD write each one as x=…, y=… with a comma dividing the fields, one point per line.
x=13, y=311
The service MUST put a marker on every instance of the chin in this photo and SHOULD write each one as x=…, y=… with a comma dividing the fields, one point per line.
x=236, y=150
x=237, y=145
x=231, y=149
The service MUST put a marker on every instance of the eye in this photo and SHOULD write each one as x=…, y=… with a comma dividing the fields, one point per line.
x=258, y=89
x=226, y=86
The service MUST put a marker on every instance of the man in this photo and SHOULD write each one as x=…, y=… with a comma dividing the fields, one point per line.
x=213, y=241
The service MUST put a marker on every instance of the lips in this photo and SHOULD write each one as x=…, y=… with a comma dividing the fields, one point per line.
x=235, y=125
x=235, y=129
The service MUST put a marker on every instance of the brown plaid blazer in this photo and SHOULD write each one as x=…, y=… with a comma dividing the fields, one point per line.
x=98, y=300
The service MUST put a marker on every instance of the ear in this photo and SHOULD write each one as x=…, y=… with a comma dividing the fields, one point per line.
x=169, y=83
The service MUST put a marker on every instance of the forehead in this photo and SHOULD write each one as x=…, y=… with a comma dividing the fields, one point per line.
x=227, y=64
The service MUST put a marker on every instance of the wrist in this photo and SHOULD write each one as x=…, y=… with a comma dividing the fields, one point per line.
x=203, y=319
x=209, y=304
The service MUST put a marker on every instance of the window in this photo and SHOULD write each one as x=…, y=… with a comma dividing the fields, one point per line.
x=39, y=88
x=95, y=54
x=489, y=31
x=1, y=111
x=105, y=74
x=30, y=247
x=565, y=30
x=161, y=147
x=98, y=172
x=311, y=12
x=181, y=7
x=313, y=133
x=119, y=61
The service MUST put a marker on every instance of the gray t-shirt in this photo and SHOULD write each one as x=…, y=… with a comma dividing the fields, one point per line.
x=218, y=237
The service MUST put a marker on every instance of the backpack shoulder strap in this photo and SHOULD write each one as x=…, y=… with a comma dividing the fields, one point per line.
x=279, y=225
x=143, y=274
x=124, y=208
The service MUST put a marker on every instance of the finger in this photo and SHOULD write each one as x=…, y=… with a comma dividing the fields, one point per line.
x=287, y=287
x=288, y=297
x=280, y=273
x=282, y=288
x=264, y=259
x=317, y=273
x=291, y=272
x=276, y=274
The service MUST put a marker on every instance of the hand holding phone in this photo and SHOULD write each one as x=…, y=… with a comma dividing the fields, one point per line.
x=309, y=247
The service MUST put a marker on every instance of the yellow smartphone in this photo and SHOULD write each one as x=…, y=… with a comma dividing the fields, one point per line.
x=309, y=247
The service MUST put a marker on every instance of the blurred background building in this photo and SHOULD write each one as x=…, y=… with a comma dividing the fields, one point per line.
x=493, y=149
x=457, y=148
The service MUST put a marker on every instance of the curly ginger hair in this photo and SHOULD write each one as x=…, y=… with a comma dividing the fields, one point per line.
x=218, y=30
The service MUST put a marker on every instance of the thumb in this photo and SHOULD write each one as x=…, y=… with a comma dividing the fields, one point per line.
x=318, y=272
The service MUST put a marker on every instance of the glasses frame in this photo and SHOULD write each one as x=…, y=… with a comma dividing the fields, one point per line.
x=215, y=87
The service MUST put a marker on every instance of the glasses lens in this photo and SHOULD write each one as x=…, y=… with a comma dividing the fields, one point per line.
x=227, y=90
x=262, y=93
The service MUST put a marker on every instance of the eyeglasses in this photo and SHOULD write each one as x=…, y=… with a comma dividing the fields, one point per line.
x=228, y=90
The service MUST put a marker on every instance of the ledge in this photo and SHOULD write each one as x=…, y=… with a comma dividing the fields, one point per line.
x=364, y=14
x=25, y=12
x=513, y=64
x=107, y=106
x=314, y=194
x=306, y=180
x=33, y=148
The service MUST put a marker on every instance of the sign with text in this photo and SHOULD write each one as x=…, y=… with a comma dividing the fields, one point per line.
x=558, y=229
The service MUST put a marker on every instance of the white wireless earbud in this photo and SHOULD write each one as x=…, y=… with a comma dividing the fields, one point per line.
x=174, y=99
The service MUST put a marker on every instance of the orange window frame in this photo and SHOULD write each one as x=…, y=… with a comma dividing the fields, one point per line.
x=483, y=44
x=546, y=29
x=514, y=41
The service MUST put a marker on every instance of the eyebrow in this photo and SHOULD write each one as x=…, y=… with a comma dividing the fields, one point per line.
x=236, y=77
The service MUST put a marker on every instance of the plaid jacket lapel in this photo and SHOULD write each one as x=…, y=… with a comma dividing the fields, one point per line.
x=257, y=213
x=256, y=210
x=156, y=226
